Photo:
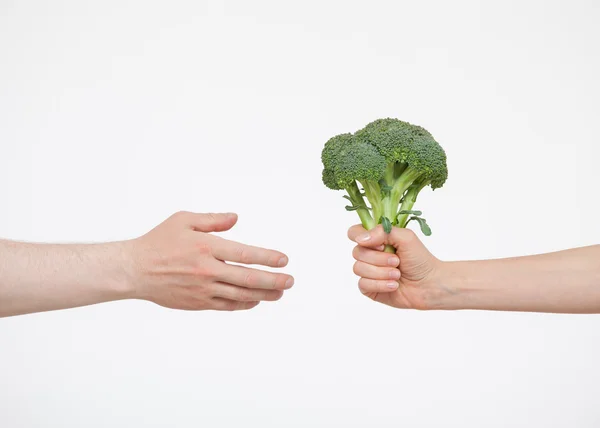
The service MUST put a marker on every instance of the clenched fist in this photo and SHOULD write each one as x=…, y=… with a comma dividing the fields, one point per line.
x=407, y=279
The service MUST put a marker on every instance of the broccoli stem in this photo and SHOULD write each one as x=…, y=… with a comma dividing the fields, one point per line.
x=403, y=181
x=373, y=193
x=390, y=173
x=407, y=203
x=358, y=201
x=403, y=178
x=399, y=187
x=409, y=200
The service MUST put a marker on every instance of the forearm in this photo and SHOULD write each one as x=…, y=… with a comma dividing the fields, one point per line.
x=565, y=281
x=43, y=277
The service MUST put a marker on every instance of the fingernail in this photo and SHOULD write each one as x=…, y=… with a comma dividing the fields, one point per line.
x=363, y=238
x=392, y=285
x=282, y=262
x=289, y=282
x=395, y=274
x=230, y=214
x=393, y=261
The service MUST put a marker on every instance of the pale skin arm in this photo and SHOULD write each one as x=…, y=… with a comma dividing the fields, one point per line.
x=179, y=264
x=561, y=282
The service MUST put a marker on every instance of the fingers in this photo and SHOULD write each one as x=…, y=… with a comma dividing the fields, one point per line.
x=226, y=250
x=241, y=294
x=370, y=239
x=368, y=285
x=231, y=305
x=208, y=222
x=254, y=278
x=375, y=257
x=366, y=270
x=376, y=237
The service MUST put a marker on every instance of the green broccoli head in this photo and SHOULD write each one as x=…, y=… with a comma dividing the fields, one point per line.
x=330, y=181
x=347, y=160
x=330, y=160
x=393, y=160
x=408, y=144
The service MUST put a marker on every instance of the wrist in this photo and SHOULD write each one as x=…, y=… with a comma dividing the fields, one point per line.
x=449, y=282
x=123, y=279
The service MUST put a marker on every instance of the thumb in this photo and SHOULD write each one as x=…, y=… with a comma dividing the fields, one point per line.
x=212, y=222
x=399, y=237
x=373, y=238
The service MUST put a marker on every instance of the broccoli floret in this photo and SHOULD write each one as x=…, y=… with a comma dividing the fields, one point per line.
x=392, y=161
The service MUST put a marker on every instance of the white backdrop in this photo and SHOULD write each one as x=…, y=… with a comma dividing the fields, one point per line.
x=115, y=114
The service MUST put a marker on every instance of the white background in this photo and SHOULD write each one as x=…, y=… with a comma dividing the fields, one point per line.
x=115, y=114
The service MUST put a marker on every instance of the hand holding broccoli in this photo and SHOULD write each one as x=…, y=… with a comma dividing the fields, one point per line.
x=408, y=279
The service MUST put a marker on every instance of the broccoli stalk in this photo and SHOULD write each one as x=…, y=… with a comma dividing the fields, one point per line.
x=392, y=161
x=391, y=199
x=359, y=205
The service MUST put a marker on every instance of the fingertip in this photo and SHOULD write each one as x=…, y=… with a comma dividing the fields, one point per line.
x=392, y=285
x=393, y=261
x=283, y=261
x=363, y=238
x=355, y=230
x=232, y=217
x=289, y=283
x=372, y=239
x=362, y=285
x=368, y=285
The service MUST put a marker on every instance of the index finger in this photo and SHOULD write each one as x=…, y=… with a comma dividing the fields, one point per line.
x=236, y=252
x=374, y=238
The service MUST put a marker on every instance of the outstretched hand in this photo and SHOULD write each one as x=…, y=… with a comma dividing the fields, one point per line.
x=406, y=279
x=181, y=265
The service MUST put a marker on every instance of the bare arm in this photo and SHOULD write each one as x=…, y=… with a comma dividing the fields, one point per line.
x=565, y=281
x=43, y=277
x=179, y=264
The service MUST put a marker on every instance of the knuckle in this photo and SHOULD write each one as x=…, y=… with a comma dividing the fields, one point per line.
x=248, y=279
x=406, y=236
x=243, y=295
x=204, y=271
x=356, y=252
x=356, y=268
x=243, y=255
x=180, y=215
x=274, y=279
x=211, y=217
x=272, y=258
x=203, y=248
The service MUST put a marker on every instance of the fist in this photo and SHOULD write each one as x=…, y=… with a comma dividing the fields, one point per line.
x=407, y=279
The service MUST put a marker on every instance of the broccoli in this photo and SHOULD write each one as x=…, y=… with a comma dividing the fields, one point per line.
x=392, y=161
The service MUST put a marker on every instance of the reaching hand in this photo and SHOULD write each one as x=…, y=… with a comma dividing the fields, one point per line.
x=180, y=265
x=404, y=280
